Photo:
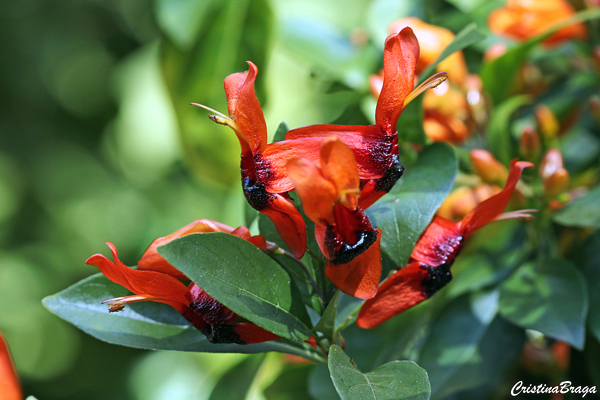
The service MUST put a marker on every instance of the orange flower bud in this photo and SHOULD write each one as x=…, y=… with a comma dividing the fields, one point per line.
x=487, y=167
x=463, y=199
x=529, y=144
x=554, y=175
x=548, y=124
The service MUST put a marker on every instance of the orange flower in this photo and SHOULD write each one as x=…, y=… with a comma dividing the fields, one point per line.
x=156, y=282
x=432, y=41
x=525, y=19
x=428, y=268
x=375, y=147
x=330, y=197
x=263, y=171
x=9, y=380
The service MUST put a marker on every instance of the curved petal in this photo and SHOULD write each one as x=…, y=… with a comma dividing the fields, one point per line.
x=399, y=62
x=371, y=147
x=487, y=211
x=360, y=277
x=398, y=293
x=439, y=244
x=271, y=170
x=288, y=222
x=9, y=380
x=339, y=167
x=152, y=283
x=318, y=194
x=244, y=108
x=152, y=261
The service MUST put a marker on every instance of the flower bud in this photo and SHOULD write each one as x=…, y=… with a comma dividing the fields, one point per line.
x=554, y=175
x=529, y=144
x=548, y=124
x=487, y=167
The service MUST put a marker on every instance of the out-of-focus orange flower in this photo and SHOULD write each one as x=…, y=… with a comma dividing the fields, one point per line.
x=375, y=147
x=10, y=388
x=428, y=268
x=463, y=199
x=524, y=19
x=530, y=145
x=330, y=197
x=547, y=122
x=263, y=167
x=433, y=40
x=217, y=322
x=487, y=167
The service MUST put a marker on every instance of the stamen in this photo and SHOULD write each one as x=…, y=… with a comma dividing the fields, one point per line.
x=223, y=119
x=118, y=303
x=518, y=214
x=430, y=83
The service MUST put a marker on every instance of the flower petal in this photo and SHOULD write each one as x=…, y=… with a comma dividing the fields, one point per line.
x=399, y=62
x=339, y=166
x=250, y=333
x=9, y=380
x=488, y=210
x=150, y=283
x=318, y=194
x=245, y=110
x=398, y=293
x=371, y=147
x=439, y=243
x=152, y=261
x=360, y=277
x=288, y=222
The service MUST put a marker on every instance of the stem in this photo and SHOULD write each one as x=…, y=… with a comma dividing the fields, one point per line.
x=350, y=318
x=309, y=278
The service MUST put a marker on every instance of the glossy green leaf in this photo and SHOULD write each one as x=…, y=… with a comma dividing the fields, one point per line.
x=147, y=325
x=588, y=260
x=326, y=324
x=582, y=212
x=450, y=345
x=395, y=380
x=466, y=37
x=244, y=278
x=498, y=75
x=550, y=297
x=406, y=211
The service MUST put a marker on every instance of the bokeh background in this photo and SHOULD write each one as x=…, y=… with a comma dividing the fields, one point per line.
x=99, y=142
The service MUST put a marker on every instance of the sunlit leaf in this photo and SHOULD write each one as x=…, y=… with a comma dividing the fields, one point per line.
x=550, y=297
x=244, y=278
x=143, y=325
x=406, y=211
x=395, y=380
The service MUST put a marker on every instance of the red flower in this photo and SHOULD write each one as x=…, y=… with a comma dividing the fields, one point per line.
x=375, y=147
x=428, y=268
x=330, y=197
x=262, y=170
x=155, y=281
x=9, y=380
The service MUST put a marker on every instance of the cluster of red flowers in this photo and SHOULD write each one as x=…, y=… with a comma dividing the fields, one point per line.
x=338, y=172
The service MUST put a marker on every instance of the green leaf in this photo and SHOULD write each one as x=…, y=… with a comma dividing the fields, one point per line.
x=282, y=129
x=466, y=37
x=498, y=75
x=244, y=278
x=149, y=325
x=236, y=382
x=588, y=260
x=582, y=212
x=326, y=324
x=498, y=134
x=395, y=380
x=455, y=339
x=551, y=297
x=406, y=211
